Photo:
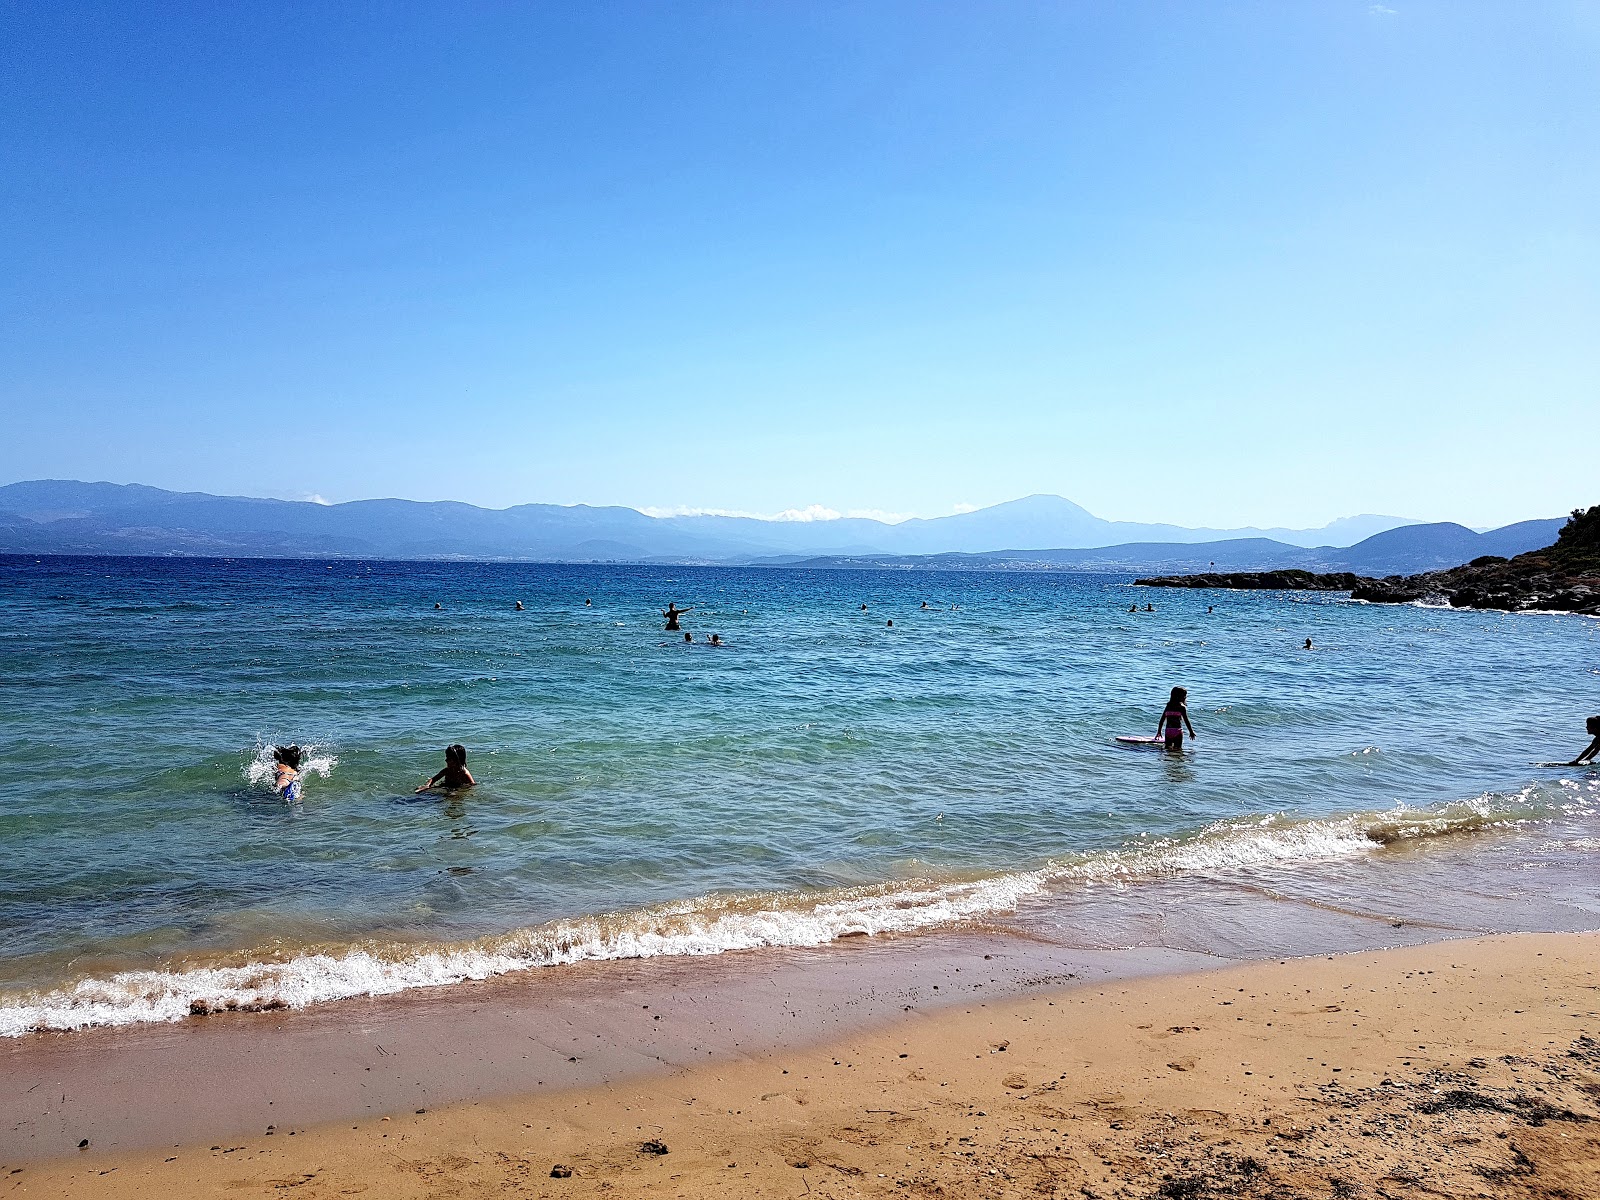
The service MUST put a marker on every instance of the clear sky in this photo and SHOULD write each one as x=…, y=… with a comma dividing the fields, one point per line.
x=1214, y=263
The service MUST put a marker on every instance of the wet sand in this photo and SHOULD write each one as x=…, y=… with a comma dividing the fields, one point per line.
x=549, y=1029
x=1465, y=1068
x=233, y=1074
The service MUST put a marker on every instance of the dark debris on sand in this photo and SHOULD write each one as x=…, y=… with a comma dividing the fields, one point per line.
x=1518, y=1127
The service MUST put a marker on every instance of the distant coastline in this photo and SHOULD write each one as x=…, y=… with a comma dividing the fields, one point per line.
x=1561, y=577
x=1037, y=533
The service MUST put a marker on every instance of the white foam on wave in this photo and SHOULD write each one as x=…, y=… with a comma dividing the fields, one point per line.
x=709, y=925
x=1277, y=840
x=718, y=924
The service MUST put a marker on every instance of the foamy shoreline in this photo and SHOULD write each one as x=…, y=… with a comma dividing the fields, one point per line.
x=593, y=1021
x=1326, y=1075
x=718, y=924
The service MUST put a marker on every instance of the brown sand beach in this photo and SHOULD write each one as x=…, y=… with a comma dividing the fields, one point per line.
x=1462, y=1068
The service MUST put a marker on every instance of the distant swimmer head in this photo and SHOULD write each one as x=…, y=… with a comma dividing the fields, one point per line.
x=437, y=605
x=891, y=624
x=1308, y=643
x=455, y=755
x=863, y=608
x=1133, y=608
x=588, y=603
x=288, y=756
x=924, y=604
x=1149, y=608
x=688, y=637
x=716, y=639
x=519, y=606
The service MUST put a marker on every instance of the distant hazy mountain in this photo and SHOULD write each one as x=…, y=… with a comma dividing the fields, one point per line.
x=68, y=517
x=1049, y=522
x=1404, y=551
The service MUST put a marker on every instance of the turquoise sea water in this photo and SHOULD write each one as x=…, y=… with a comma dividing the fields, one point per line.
x=824, y=773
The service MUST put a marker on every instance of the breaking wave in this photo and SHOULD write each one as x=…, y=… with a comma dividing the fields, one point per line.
x=719, y=923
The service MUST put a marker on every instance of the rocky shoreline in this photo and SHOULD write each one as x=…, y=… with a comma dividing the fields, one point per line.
x=1564, y=577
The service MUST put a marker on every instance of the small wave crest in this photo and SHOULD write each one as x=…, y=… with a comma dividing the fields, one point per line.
x=1282, y=841
x=703, y=926
x=719, y=923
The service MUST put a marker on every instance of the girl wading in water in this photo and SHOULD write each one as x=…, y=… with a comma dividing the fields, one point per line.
x=1174, y=719
x=1587, y=754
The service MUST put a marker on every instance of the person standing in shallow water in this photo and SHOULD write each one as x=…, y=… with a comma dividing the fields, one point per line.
x=1586, y=756
x=1174, y=718
x=672, y=612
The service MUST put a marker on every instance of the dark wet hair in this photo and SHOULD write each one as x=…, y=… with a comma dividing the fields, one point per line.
x=455, y=754
x=1179, y=695
x=1593, y=725
x=289, y=756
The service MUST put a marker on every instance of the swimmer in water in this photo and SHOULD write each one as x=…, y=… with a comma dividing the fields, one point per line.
x=863, y=608
x=1592, y=725
x=437, y=605
x=924, y=604
x=1149, y=608
x=688, y=637
x=519, y=606
x=716, y=640
x=286, y=771
x=455, y=774
x=1133, y=608
x=891, y=625
x=1174, y=718
x=672, y=612
x=1308, y=643
x=588, y=603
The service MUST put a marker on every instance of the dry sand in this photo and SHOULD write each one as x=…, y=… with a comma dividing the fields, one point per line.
x=1459, y=1069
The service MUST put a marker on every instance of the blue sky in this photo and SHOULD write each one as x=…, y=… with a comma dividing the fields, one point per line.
x=1214, y=263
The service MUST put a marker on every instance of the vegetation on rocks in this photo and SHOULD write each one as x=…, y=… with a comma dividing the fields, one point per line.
x=1563, y=577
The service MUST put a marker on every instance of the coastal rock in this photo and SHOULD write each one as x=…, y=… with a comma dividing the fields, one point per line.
x=1563, y=577
x=1292, y=580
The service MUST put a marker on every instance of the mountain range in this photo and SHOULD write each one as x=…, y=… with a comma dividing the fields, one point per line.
x=1408, y=549
x=72, y=517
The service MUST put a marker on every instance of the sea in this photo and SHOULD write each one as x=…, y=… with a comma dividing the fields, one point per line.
x=880, y=753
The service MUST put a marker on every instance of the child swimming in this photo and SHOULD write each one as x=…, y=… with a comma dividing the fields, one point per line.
x=1174, y=718
x=455, y=774
x=286, y=772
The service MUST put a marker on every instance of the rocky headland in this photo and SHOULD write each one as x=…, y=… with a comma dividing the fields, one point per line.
x=1563, y=577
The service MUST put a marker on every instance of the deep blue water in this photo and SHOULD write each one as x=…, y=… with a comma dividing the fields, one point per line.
x=822, y=768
